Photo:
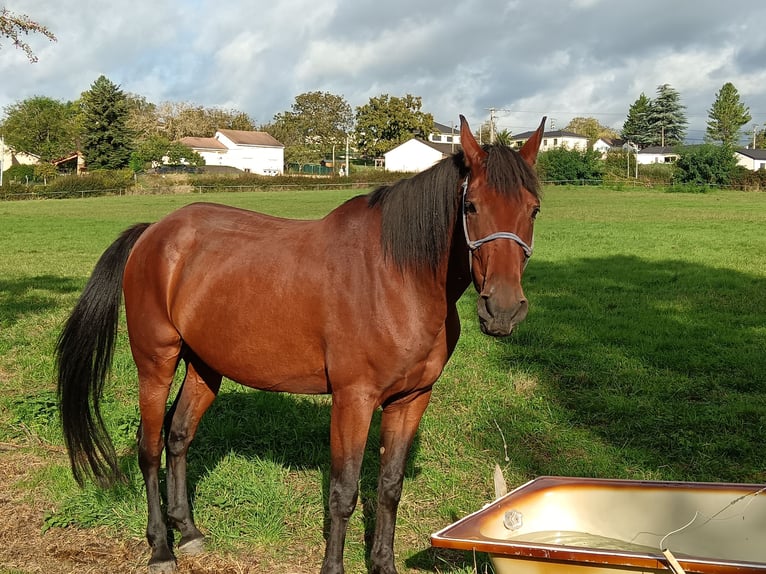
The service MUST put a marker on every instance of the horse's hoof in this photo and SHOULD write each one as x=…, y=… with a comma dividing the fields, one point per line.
x=166, y=567
x=192, y=547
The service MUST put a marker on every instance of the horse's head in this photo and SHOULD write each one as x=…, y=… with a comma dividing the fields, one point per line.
x=499, y=205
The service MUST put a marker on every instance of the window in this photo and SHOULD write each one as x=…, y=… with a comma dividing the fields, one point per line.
x=449, y=139
x=555, y=142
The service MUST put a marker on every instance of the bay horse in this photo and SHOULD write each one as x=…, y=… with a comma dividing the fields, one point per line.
x=360, y=304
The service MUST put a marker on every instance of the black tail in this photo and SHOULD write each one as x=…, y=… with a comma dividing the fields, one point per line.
x=84, y=353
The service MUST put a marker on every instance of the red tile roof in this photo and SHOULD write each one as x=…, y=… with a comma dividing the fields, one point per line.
x=242, y=137
x=202, y=143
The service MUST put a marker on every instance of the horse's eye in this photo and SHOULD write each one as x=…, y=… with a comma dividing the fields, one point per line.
x=469, y=207
x=535, y=212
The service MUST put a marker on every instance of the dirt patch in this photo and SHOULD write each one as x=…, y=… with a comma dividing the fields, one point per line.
x=24, y=549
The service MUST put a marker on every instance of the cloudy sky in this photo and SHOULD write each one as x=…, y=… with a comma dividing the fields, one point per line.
x=525, y=58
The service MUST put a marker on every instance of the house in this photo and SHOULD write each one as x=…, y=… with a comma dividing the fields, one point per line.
x=552, y=140
x=604, y=145
x=10, y=157
x=416, y=155
x=753, y=159
x=72, y=163
x=445, y=134
x=657, y=154
x=249, y=151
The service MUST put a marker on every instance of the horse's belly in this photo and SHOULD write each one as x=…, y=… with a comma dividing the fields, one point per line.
x=282, y=381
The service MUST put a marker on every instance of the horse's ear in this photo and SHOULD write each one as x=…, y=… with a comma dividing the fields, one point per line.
x=474, y=155
x=529, y=150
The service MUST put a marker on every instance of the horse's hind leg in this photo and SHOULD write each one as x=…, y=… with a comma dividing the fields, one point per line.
x=199, y=389
x=155, y=377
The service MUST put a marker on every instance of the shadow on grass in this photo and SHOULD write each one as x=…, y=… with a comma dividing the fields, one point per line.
x=288, y=430
x=32, y=295
x=663, y=362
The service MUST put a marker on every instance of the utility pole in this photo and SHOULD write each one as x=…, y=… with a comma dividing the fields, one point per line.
x=492, y=122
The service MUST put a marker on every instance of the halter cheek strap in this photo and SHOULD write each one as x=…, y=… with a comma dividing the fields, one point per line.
x=474, y=245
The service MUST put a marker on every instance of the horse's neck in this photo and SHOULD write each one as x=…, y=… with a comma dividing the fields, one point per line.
x=458, y=269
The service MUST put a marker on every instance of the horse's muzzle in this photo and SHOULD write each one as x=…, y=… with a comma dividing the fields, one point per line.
x=499, y=320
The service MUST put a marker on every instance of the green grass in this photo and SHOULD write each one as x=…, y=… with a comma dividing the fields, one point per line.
x=643, y=356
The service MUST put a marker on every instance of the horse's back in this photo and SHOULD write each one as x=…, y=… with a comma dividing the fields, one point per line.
x=262, y=299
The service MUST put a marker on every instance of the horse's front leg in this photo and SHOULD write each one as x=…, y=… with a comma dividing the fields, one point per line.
x=398, y=426
x=349, y=424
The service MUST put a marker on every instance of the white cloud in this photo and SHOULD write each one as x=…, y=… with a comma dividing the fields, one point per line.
x=561, y=58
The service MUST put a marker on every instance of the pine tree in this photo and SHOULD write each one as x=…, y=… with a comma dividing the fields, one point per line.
x=636, y=128
x=726, y=116
x=107, y=139
x=667, y=118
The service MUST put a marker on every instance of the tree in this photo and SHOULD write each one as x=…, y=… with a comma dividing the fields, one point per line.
x=157, y=149
x=567, y=165
x=176, y=120
x=106, y=139
x=637, y=128
x=42, y=126
x=386, y=121
x=706, y=164
x=482, y=134
x=590, y=128
x=316, y=122
x=14, y=26
x=667, y=118
x=726, y=116
x=503, y=137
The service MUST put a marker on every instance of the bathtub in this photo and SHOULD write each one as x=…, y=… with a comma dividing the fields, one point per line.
x=558, y=525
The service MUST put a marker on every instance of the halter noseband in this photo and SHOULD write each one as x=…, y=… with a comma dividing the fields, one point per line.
x=474, y=245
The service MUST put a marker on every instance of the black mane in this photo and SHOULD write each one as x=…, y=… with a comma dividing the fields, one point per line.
x=418, y=213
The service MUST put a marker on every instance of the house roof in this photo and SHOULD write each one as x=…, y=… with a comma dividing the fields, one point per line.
x=242, y=137
x=759, y=154
x=202, y=143
x=659, y=150
x=613, y=142
x=445, y=129
x=444, y=148
x=553, y=134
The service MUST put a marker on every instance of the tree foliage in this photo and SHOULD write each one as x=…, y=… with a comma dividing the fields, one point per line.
x=16, y=26
x=387, y=121
x=591, y=128
x=726, y=116
x=667, y=118
x=661, y=121
x=157, y=149
x=637, y=128
x=107, y=139
x=175, y=120
x=316, y=122
x=706, y=164
x=42, y=126
x=564, y=165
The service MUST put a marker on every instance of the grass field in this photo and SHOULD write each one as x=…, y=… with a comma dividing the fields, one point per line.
x=643, y=356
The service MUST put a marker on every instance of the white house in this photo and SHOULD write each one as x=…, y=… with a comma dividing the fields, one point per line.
x=603, y=145
x=553, y=140
x=10, y=157
x=416, y=155
x=252, y=152
x=657, y=154
x=753, y=159
x=445, y=134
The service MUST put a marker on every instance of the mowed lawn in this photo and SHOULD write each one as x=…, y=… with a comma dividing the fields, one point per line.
x=643, y=356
